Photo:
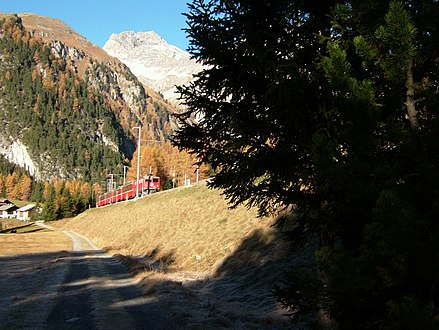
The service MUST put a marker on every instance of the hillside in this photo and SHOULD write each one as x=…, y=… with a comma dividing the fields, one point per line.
x=123, y=84
x=53, y=30
x=66, y=106
x=211, y=266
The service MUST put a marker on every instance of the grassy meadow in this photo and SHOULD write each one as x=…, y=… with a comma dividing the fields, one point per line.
x=189, y=229
x=210, y=265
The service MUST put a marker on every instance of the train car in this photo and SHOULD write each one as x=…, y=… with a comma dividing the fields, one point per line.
x=147, y=185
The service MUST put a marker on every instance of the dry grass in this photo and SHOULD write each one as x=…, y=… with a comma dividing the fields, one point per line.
x=33, y=243
x=32, y=268
x=211, y=266
x=188, y=230
x=10, y=223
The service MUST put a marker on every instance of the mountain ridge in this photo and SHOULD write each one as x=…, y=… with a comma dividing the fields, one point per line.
x=154, y=61
x=52, y=29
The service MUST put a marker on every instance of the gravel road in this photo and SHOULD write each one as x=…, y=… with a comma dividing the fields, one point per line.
x=82, y=289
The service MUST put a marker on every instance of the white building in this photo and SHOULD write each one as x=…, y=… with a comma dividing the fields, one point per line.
x=24, y=213
x=8, y=211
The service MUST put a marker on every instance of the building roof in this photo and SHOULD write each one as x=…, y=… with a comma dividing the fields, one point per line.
x=4, y=201
x=8, y=207
x=27, y=207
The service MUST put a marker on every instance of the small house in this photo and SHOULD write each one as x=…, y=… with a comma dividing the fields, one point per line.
x=8, y=211
x=24, y=213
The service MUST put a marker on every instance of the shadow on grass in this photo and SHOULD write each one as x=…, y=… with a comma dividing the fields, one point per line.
x=152, y=261
x=71, y=290
x=74, y=290
x=20, y=229
x=239, y=294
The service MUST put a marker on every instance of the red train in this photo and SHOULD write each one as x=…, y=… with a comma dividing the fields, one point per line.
x=147, y=185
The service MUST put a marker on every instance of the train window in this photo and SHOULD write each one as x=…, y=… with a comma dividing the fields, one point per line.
x=155, y=180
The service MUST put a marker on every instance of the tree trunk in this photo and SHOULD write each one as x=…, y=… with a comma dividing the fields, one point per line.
x=410, y=101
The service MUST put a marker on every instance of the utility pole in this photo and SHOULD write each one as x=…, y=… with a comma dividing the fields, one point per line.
x=110, y=184
x=198, y=162
x=138, y=161
x=124, y=173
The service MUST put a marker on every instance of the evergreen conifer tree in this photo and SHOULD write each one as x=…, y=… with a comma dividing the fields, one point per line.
x=37, y=193
x=330, y=109
x=66, y=204
x=50, y=211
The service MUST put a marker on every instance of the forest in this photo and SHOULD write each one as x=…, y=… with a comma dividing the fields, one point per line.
x=77, y=127
x=53, y=112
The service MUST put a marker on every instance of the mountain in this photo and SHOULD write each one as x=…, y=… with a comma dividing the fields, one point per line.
x=155, y=62
x=67, y=108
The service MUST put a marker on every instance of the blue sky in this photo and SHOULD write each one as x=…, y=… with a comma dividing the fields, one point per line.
x=96, y=20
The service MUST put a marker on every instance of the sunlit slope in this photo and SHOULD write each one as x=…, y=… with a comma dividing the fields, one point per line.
x=189, y=229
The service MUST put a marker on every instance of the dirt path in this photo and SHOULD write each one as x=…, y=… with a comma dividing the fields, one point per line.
x=83, y=289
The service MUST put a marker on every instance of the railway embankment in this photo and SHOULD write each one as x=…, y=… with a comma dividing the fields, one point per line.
x=210, y=266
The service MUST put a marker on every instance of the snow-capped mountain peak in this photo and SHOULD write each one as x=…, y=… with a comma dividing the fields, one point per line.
x=155, y=62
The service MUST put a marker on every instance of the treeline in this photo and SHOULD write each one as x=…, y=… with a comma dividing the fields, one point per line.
x=57, y=115
x=58, y=199
x=15, y=182
x=15, y=186
x=65, y=198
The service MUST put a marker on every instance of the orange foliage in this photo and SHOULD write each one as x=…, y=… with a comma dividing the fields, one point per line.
x=25, y=187
x=37, y=57
x=7, y=25
x=11, y=186
x=85, y=190
x=25, y=38
x=165, y=161
x=58, y=184
x=33, y=41
x=46, y=190
x=2, y=183
x=35, y=73
x=16, y=34
x=75, y=105
x=62, y=84
x=48, y=82
x=97, y=190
